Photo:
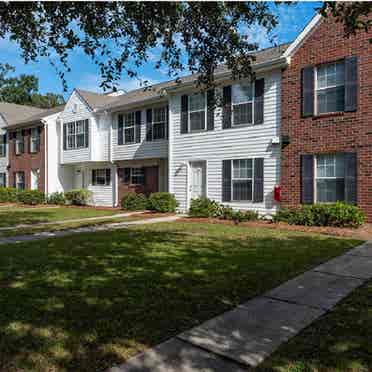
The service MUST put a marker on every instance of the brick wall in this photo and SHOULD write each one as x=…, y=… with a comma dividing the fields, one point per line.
x=350, y=131
x=27, y=161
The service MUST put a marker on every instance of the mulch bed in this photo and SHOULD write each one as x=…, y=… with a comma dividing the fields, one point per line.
x=363, y=233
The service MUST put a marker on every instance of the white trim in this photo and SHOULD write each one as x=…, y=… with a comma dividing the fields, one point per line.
x=189, y=179
x=302, y=36
x=252, y=85
x=189, y=112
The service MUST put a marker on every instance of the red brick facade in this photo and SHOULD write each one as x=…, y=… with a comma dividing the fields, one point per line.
x=28, y=161
x=342, y=132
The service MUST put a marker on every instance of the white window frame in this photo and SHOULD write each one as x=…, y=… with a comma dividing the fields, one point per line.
x=131, y=127
x=71, y=128
x=35, y=140
x=101, y=170
x=316, y=177
x=142, y=175
x=2, y=146
x=190, y=112
x=159, y=122
x=241, y=103
x=32, y=174
x=241, y=179
x=316, y=89
x=19, y=140
x=17, y=180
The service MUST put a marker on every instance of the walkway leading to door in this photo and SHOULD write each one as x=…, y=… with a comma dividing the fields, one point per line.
x=246, y=335
x=79, y=230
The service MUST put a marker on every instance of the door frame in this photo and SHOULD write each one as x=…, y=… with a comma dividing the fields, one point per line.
x=189, y=179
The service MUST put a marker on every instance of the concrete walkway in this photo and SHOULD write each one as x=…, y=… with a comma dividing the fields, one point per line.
x=79, y=230
x=87, y=219
x=245, y=336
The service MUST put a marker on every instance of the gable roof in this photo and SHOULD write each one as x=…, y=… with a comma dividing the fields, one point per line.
x=156, y=91
x=13, y=113
x=95, y=100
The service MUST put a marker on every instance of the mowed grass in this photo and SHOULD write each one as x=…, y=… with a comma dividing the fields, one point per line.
x=16, y=216
x=86, y=302
x=340, y=341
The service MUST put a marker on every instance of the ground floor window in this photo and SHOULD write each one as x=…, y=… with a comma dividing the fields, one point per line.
x=137, y=176
x=19, y=180
x=2, y=179
x=35, y=175
x=101, y=177
x=242, y=179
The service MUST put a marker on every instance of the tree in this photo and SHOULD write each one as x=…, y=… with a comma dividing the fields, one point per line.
x=119, y=36
x=23, y=90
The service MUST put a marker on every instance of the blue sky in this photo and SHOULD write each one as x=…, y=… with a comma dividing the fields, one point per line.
x=85, y=75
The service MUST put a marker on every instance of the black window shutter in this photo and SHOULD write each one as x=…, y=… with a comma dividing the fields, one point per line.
x=167, y=123
x=351, y=83
x=126, y=175
x=86, y=123
x=307, y=81
x=226, y=180
x=184, y=114
x=259, y=88
x=350, y=161
x=108, y=176
x=210, y=109
x=258, y=187
x=226, y=110
x=138, y=126
x=64, y=136
x=307, y=179
x=120, y=129
x=149, y=125
x=94, y=176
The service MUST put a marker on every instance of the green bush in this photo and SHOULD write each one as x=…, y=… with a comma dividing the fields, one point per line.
x=162, y=202
x=78, y=196
x=134, y=202
x=31, y=197
x=57, y=198
x=226, y=212
x=204, y=207
x=338, y=215
x=244, y=216
x=8, y=195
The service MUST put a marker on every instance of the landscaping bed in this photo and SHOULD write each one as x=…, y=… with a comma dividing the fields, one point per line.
x=89, y=301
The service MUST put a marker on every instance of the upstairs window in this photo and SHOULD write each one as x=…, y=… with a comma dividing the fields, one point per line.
x=242, y=104
x=19, y=143
x=35, y=140
x=197, y=111
x=2, y=145
x=129, y=127
x=76, y=134
x=159, y=121
x=101, y=177
x=330, y=88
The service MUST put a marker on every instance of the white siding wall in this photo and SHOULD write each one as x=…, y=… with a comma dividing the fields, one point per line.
x=235, y=143
x=142, y=150
x=4, y=160
x=76, y=109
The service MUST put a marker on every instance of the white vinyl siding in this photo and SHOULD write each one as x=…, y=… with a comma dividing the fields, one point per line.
x=243, y=142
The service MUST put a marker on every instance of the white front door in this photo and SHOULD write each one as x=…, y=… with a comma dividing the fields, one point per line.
x=197, y=179
x=79, y=179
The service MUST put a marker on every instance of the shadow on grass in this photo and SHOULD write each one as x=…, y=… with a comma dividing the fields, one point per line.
x=87, y=302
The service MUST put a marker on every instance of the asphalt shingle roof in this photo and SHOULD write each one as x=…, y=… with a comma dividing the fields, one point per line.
x=14, y=113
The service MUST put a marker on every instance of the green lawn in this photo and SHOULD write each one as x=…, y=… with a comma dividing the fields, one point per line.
x=16, y=216
x=340, y=341
x=86, y=302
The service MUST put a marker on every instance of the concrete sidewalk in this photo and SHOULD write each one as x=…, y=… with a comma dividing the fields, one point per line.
x=245, y=336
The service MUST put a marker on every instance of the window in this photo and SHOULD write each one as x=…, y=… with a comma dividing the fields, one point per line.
x=330, y=178
x=197, y=112
x=242, y=104
x=19, y=143
x=35, y=140
x=137, y=176
x=2, y=145
x=330, y=88
x=76, y=136
x=129, y=122
x=101, y=177
x=2, y=179
x=159, y=122
x=242, y=179
x=35, y=173
x=19, y=180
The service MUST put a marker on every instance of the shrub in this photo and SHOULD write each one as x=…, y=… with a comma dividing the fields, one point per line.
x=204, y=207
x=337, y=214
x=226, y=212
x=134, y=202
x=78, y=196
x=162, y=202
x=8, y=194
x=244, y=216
x=57, y=198
x=31, y=197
